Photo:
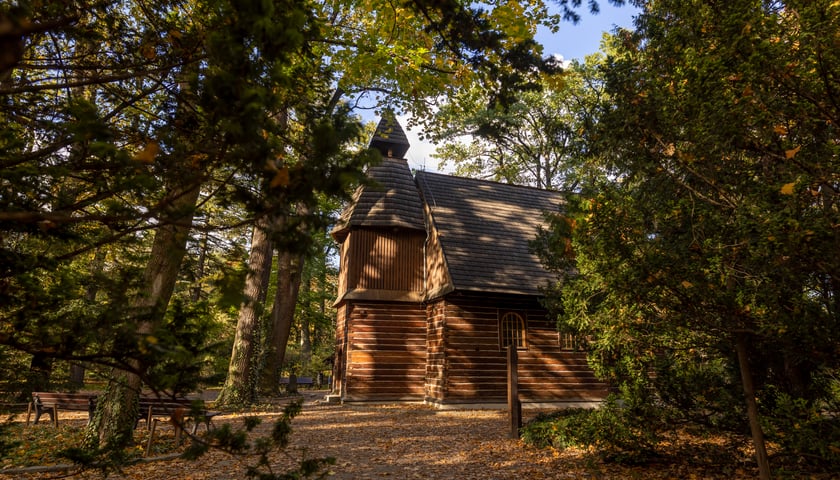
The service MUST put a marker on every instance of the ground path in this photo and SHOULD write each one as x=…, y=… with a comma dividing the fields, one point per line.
x=406, y=442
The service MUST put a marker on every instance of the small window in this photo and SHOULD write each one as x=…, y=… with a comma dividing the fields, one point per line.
x=512, y=330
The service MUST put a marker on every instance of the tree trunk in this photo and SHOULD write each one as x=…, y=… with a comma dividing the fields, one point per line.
x=282, y=317
x=199, y=274
x=116, y=410
x=305, y=336
x=752, y=408
x=77, y=370
x=240, y=386
x=40, y=371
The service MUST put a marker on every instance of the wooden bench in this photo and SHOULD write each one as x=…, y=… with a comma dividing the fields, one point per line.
x=52, y=402
x=300, y=382
x=175, y=409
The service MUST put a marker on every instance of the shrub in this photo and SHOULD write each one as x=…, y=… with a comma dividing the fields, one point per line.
x=801, y=429
x=613, y=431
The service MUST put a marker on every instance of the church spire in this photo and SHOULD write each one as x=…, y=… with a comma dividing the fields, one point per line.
x=390, y=138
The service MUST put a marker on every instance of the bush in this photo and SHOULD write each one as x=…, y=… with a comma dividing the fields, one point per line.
x=801, y=429
x=615, y=432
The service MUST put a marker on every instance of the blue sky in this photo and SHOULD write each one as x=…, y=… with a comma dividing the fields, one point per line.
x=576, y=41
x=571, y=42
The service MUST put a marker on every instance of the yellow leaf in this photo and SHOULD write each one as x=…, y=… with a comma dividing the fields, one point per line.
x=281, y=178
x=787, y=189
x=686, y=284
x=148, y=154
x=792, y=152
x=780, y=129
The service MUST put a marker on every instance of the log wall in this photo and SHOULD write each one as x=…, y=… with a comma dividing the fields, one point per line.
x=449, y=352
x=435, y=352
x=340, y=362
x=475, y=364
x=386, y=352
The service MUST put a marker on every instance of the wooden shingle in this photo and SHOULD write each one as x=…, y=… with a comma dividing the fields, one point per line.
x=485, y=229
x=390, y=200
x=389, y=137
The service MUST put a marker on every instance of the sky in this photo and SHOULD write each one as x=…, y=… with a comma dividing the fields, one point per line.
x=570, y=42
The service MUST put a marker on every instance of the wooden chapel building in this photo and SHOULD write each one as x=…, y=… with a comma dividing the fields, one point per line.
x=436, y=278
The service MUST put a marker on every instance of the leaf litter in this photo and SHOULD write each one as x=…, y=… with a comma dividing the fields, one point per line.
x=408, y=441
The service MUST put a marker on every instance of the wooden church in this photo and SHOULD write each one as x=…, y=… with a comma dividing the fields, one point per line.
x=436, y=280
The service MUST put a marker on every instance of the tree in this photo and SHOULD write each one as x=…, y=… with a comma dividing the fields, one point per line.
x=433, y=49
x=538, y=140
x=181, y=92
x=240, y=386
x=703, y=242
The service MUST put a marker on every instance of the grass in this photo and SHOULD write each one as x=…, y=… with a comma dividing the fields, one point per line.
x=42, y=444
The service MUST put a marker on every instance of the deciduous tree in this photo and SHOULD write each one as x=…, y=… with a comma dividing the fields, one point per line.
x=704, y=246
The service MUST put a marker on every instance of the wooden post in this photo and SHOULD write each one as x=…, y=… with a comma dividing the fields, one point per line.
x=514, y=405
x=152, y=429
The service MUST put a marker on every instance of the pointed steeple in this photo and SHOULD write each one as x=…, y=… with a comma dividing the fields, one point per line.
x=390, y=138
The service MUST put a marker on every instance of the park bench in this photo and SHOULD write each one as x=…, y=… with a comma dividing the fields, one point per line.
x=52, y=402
x=175, y=409
x=300, y=382
x=308, y=382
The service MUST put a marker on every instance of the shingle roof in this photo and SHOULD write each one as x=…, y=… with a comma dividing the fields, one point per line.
x=485, y=229
x=390, y=138
x=391, y=200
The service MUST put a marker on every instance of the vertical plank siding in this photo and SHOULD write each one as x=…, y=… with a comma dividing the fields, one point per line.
x=382, y=260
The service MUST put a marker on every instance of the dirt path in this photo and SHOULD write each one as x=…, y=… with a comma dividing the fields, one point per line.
x=407, y=442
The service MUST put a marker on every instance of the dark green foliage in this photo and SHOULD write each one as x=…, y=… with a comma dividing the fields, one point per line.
x=182, y=350
x=803, y=428
x=617, y=433
x=707, y=226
